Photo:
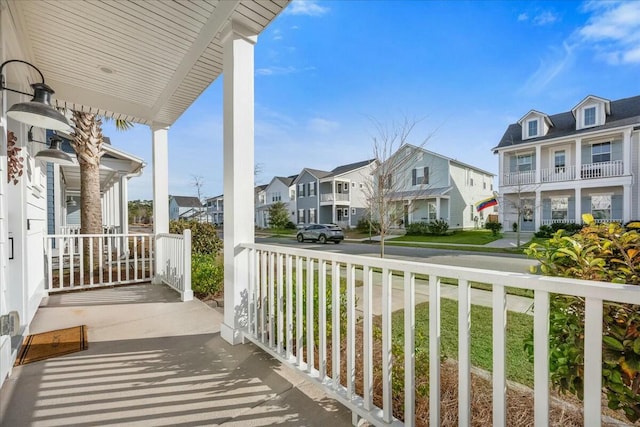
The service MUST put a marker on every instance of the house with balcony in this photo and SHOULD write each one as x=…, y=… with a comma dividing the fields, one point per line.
x=183, y=207
x=280, y=189
x=427, y=186
x=215, y=209
x=337, y=196
x=554, y=168
x=156, y=356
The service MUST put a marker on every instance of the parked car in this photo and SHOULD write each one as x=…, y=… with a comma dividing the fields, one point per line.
x=321, y=233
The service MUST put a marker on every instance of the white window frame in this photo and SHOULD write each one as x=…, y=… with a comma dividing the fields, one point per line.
x=353, y=211
x=601, y=144
x=593, y=108
x=519, y=163
x=563, y=202
x=300, y=216
x=301, y=190
x=593, y=211
x=537, y=126
x=312, y=215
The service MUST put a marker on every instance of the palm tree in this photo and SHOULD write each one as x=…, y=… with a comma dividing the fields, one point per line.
x=87, y=143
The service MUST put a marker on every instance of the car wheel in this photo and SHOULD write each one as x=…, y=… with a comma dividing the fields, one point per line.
x=336, y=241
x=300, y=238
x=322, y=239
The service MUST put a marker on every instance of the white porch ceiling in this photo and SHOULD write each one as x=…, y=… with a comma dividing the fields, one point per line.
x=142, y=61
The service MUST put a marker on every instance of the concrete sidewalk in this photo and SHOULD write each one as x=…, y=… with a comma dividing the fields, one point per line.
x=156, y=361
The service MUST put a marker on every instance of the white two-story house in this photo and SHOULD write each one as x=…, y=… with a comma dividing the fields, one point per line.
x=280, y=189
x=554, y=168
x=427, y=186
x=336, y=196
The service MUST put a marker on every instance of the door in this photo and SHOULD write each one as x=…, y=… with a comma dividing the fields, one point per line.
x=527, y=215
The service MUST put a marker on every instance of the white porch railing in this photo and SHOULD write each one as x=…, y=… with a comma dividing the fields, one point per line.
x=334, y=197
x=276, y=278
x=79, y=261
x=566, y=173
x=520, y=178
x=173, y=252
x=557, y=221
x=602, y=170
x=75, y=229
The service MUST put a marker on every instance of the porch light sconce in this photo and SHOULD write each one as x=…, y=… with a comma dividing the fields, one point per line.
x=71, y=201
x=52, y=154
x=38, y=112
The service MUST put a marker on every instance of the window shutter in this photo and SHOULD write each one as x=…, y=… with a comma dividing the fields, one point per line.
x=546, y=209
x=616, y=206
x=425, y=177
x=414, y=176
x=571, y=208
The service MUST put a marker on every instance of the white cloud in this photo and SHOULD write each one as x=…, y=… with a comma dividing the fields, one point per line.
x=306, y=7
x=320, y=125
x=545, y=18
x=275, y=70
x=613, y=29
x=277, y=34
x=523, y=17
x=550, y=68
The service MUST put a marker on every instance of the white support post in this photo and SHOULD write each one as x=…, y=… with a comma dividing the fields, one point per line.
x=538, y=163
x=626, y=201
x=578, y=200
x=538, y=211
x=124, y=205
x=160, y=139
x=578, y=160
x=626, y=152
x=238, y=98
x=187, y=293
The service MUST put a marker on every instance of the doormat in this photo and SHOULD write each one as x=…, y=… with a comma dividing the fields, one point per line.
x=52, y=344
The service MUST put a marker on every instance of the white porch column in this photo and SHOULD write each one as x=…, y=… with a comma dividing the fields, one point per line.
x=538, y=162
x=626, y=154
x=124, y=203
x=538, y=211
x=160, y=138
x=578, y=198
x=626, y=201
x=238, y=99
x=578, y=161
x=438, y=208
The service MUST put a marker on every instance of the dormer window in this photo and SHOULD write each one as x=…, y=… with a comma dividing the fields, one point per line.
x=533, y=128
x=590, y=116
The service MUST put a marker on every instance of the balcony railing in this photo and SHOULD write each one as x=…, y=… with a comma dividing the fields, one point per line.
x=565, y=173
x=279, y=320
x=334, y=197
x=520, y=178
x=79, y=261
x=602, y=169
x=75, y=229
x=557, y=221
x=173, y=253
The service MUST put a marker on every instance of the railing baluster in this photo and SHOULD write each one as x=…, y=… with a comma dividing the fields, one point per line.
x=541, y=358
x=253, y=300
x=299, y=305
x=409, y=348
x=118, y=261
x=499, y=356
x=289, y=305
x=335, y=329
x=81, y=261
x=271, y=296
x=593, y=362
x=367, y=336
x=61, y=251
x=71, y=266
x=464, y=353
x=322, y=318
x=351, y=330
x=434, y=350
x=310, y=316
x=263, y=295
x=387, y=278
x=109, y=259
x=280, y=331
x=100, y=256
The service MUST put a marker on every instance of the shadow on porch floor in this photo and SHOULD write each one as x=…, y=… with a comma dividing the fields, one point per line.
x=155, y=361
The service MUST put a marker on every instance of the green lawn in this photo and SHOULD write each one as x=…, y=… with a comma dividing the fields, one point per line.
x=519, y=326
x=468, y=237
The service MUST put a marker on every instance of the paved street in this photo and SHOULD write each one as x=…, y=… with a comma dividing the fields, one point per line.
x=491, y=261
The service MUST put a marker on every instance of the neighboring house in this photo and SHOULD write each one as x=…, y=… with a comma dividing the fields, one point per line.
x=182, y=206
x=215, y=209
x=431, y=186
x=280, y=189
x=63, y=189
x=564, y=165
x=259, y=200
x=332, y=197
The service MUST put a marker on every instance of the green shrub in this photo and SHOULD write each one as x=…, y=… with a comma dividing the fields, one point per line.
x=204, y=238
x=495, y=227
x=603, y=252
x=278, y=215
x=365, y=224
x=207, y=275
x=290, y=226
x=547, y=231
x=439, y=227
x=514, y=226
x=417, y=229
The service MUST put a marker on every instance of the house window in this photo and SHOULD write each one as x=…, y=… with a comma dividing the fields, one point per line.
x=524, y=162
x=292, y=194
x=601, y=207
x=345, y=187
x=300, y=215
x=340, y=214
x=559, y=161
x=312, y=189
x=590, y=116
x=361, y=185
x=601, y=152
x=431, y=212
x=420, y=176
x=276, y=197
x=353, y=184
x=533, y=128
x=560, y=208
x=471, y=182
x=312, y=215
x=484, y=185
x=353, y=211
x=472, y=211
x=300, y=190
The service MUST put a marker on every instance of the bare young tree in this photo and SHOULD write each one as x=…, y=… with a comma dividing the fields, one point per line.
x=198, y=182
x=394, y=157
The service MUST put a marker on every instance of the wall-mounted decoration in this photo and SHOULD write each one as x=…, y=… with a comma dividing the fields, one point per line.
x=14, y=160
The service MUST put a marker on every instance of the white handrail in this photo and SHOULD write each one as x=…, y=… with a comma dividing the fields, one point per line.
x=173, y=252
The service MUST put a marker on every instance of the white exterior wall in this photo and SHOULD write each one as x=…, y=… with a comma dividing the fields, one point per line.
x=463, y=194
x=363, y=178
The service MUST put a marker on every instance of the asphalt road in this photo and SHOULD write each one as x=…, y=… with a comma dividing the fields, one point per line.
x=491, y=261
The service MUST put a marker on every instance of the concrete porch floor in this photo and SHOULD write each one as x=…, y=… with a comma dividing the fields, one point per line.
x=156, y=361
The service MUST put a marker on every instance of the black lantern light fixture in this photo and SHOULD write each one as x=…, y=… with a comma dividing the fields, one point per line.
x=38, y=112
x=52, y=154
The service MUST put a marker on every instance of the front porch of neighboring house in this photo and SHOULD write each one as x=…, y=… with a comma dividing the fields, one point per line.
x=157, y=356
x=422, y=206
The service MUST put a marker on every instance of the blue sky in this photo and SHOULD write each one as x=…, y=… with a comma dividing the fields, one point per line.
x=467, y=69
